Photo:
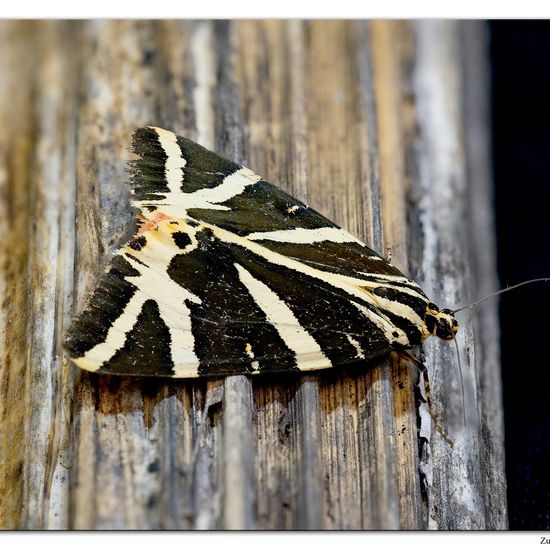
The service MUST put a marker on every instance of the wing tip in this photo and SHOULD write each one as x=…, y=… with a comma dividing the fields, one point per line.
x=85, y=364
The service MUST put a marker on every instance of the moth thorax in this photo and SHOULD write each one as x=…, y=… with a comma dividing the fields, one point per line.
x=441, y=323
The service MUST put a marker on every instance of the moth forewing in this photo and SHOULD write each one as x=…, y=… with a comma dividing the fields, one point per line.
x=229, y=274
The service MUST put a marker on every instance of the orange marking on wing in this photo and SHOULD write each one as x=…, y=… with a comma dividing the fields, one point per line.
x=150, y=224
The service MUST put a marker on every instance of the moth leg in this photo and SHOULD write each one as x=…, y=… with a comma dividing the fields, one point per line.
x=411, y=359
x=389, y=251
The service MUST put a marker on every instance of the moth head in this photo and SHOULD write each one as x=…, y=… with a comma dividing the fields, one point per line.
x=441, y=323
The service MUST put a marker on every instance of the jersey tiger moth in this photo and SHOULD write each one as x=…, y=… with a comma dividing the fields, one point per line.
x=229, y=274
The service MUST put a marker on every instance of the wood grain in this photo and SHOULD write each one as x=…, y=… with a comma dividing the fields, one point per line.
x=381, y=126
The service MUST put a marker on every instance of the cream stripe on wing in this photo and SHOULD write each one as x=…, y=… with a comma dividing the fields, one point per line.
x=174, y=162
x=230, y=187
x=95, y=357
x=153, y=283
x=351, y=285
x=384, y=325
x=177, y=317
x=305, y=236
x=176, y=204
x=281, y=317
x=358, y=349
x=171, y=298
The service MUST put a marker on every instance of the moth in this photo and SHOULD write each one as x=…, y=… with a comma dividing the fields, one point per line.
x=229, y=274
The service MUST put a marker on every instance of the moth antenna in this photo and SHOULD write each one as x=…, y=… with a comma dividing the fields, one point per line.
x=496, y=293
x=461, y=381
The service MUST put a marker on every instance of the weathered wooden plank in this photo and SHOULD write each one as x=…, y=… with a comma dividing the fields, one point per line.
x=365, y=449
x=457, y=495
x=474, y=51
x=15, y=206
x=392, y=50
x=380, y=126
x=133, y=440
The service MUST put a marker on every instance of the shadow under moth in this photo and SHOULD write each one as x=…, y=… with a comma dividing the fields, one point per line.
x=229, y=274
